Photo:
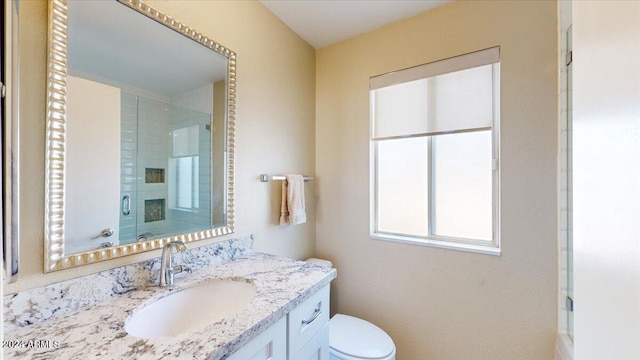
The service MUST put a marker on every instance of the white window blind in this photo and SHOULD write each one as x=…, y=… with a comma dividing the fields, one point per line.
x=449, y=95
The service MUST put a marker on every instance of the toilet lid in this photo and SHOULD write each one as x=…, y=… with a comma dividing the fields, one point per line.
x=358, y=338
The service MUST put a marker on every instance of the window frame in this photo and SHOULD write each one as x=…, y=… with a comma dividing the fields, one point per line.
x=195, y=201
x=440, y=241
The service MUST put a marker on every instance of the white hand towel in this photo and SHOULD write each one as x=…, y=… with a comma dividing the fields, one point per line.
x=292, y=208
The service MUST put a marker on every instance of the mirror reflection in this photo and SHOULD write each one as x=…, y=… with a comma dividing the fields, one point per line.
x=146, y=130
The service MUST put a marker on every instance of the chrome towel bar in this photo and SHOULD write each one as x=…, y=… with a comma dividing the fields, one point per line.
x=267, y=178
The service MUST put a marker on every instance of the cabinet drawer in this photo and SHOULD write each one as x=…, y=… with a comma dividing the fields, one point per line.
x=317, y=348
x=307, y=319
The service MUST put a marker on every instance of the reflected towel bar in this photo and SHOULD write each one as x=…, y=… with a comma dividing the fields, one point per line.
x=267, y=178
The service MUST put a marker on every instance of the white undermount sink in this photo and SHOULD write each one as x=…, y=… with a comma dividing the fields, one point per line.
x=192, y=307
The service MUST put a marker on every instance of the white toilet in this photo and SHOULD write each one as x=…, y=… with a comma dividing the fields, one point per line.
x=351, y=338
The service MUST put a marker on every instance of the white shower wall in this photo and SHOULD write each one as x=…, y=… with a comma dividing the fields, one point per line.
x=148, y=127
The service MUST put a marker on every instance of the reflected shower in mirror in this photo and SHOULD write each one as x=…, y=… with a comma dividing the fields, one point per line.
x=147, y=142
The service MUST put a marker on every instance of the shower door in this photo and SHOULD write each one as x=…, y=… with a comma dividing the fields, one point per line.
x=569, y=186
x=165, y=169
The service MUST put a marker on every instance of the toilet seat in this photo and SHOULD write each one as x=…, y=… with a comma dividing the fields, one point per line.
x=351, y=338
x=334, y=354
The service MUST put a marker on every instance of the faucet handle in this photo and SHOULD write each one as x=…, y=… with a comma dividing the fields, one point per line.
x=180, y=268
x=175, y=270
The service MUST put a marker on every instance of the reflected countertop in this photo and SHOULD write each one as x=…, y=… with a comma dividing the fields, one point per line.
x=97, y=331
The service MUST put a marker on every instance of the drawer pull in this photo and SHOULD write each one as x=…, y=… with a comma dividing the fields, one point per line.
x=315, y=315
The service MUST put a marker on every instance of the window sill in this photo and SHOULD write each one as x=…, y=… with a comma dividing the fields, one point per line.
x=489, y=249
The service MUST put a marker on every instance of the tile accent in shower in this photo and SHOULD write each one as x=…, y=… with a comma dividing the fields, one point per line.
x=154, y=210
x=153, y=176
x=39, y=304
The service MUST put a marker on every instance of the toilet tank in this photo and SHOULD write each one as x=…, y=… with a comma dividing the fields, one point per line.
x=320, y=262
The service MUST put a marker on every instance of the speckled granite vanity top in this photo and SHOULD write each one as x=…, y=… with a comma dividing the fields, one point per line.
x=97, y=331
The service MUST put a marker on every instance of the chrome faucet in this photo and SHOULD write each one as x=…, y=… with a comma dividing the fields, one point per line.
x=167, y=269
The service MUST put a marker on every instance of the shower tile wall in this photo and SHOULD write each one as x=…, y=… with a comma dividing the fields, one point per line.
x=128, y=136
x=153, y=151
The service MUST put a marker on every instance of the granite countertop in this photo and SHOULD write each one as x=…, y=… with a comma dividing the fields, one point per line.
x=97, y=331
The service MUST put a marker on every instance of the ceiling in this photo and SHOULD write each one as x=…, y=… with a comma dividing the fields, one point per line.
x=325, y=22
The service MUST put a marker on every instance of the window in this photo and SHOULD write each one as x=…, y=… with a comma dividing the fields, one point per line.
x=184, y=176
x=184, y=169
x=434, y=163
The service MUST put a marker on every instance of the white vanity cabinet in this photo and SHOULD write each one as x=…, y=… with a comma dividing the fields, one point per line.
x=308, y=328
x=271, y=344
x=316, y=349
x=301, y=335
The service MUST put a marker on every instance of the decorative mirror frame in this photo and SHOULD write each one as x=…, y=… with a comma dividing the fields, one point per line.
x=54, y=258
x=10, y=170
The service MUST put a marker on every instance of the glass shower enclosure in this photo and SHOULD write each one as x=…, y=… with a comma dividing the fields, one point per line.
x=165, y=181
x=567, y=179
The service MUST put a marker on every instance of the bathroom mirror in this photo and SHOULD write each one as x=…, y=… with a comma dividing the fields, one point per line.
x=9, y=138
x=140, y=124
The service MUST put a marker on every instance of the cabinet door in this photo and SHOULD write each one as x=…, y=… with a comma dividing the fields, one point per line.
x=271, y=344
x=317, y=348
x=307, y=319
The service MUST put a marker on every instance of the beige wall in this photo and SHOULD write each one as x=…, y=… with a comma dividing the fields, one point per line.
x=435, y=303
x=275, y=132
